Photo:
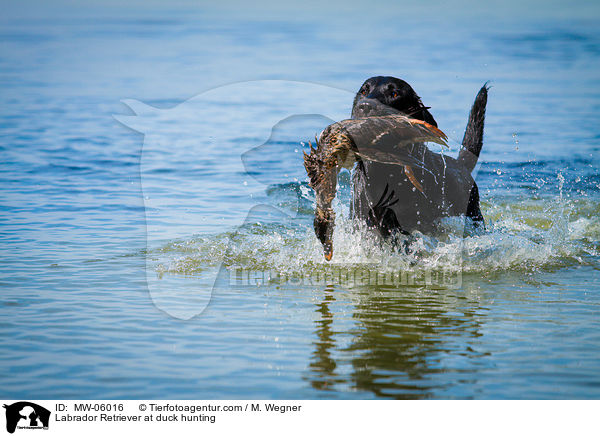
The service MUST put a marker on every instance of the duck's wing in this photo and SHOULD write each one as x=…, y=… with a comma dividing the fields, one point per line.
x=389, y=139
x=386, y=139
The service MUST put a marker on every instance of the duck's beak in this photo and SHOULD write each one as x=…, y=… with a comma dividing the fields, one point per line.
x=324, y=224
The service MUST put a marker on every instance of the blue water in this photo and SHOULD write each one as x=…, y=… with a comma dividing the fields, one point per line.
x=115, y=244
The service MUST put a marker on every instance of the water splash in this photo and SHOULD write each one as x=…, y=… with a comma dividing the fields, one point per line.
x=522, y=235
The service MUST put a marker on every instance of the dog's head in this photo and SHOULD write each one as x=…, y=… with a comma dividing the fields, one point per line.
x=392, y=92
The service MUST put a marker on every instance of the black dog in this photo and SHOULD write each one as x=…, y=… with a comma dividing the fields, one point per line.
x=385, y=197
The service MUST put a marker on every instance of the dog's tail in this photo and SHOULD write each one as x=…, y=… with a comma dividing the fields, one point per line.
x=473, y=139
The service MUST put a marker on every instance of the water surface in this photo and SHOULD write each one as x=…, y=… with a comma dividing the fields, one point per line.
x=109, y=238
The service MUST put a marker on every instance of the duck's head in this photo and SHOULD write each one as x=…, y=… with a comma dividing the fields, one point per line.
x=324, y=224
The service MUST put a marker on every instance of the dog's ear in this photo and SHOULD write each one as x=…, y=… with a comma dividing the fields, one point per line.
x=427, y=117
x=420, y=112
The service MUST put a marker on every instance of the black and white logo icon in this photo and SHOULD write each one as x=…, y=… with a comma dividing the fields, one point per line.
x=26, y=415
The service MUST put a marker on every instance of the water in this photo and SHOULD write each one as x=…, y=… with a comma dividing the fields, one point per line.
x=111, y=240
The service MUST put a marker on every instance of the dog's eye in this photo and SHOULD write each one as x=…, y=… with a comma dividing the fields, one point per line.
x=394, y=94
x=364, y=91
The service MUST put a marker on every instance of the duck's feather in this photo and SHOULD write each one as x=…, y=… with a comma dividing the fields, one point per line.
x=389, y=139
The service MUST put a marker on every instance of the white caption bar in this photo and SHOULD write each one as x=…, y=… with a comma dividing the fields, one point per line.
x=191, y=417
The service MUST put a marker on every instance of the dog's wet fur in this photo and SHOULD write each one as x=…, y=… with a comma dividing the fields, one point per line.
x=384, y=198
